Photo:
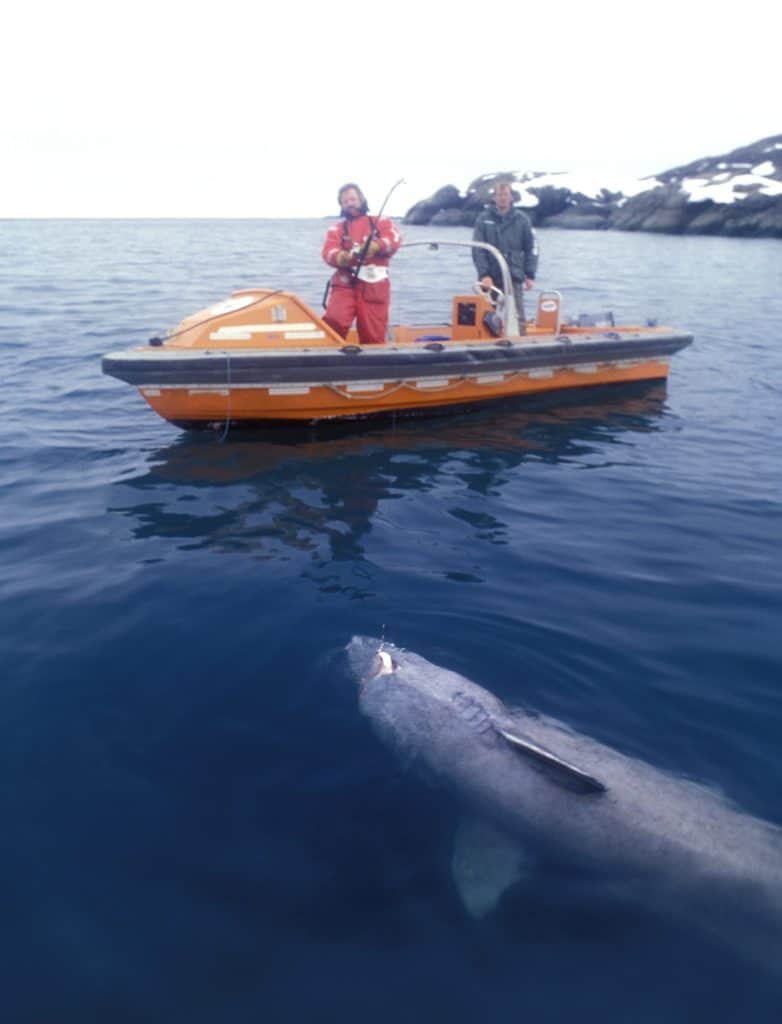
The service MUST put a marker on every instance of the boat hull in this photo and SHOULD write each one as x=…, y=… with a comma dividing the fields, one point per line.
x=263, y=356
x=247, y=403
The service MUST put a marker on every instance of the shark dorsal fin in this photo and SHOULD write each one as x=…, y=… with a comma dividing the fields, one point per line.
x=560, y=771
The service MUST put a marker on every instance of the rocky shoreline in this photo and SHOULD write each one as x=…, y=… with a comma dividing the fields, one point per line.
x=738, y=194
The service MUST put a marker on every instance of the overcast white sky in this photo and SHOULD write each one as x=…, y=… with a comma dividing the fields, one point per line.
x=234, y=109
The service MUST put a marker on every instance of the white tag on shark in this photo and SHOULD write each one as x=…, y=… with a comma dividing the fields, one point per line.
x=485, y=863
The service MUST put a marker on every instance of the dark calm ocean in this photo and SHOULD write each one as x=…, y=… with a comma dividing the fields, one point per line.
x=197, y=824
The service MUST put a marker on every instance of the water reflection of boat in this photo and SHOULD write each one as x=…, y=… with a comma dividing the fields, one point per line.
x=287, y=487
x=545, y=428
x=264, y=356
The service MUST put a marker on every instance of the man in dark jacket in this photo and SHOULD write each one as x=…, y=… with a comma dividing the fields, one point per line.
x=509, y=230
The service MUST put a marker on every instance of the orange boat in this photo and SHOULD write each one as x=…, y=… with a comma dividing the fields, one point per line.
x=264, y=356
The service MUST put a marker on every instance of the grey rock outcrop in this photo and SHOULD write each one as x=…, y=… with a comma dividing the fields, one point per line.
x=738, y=193
x=660, y=209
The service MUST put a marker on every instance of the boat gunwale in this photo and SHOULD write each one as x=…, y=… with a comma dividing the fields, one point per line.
x=183, y=367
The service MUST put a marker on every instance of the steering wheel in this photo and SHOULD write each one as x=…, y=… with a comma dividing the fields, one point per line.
x=495, y=294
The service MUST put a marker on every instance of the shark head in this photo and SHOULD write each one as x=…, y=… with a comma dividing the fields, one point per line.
x=412, y=704
x=424, y=710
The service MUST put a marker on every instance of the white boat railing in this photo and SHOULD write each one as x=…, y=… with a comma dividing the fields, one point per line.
x=507, y=303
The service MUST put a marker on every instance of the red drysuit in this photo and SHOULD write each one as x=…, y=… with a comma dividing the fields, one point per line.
x=365, y=299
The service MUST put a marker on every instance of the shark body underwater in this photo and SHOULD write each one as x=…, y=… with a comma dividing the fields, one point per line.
x=532, y=787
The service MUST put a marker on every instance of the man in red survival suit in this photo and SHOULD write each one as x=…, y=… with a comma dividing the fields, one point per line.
x=360, y=288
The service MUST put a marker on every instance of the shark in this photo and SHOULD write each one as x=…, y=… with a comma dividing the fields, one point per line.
x=533, y=791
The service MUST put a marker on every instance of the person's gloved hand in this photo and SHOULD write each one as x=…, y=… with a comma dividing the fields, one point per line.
x=372, y=249
x=343, y=258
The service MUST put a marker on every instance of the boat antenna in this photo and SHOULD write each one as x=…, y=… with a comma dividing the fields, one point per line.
x=373, y=232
